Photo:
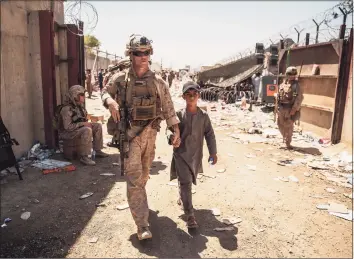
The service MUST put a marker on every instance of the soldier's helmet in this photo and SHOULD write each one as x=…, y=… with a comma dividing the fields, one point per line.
x=291, y=71
x=75, y=91
x=110, y=67
x=138, y=42
x=124, y=62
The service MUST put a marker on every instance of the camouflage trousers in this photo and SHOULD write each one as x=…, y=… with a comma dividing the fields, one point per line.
x=285, y=124
x=89, y=88
x=137, y=170
x=85, y=135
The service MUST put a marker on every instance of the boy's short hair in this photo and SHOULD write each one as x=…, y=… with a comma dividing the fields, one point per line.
x=190, y=85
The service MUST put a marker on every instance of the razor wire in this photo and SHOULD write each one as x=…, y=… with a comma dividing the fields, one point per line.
x=81, y=11
x=329, y=24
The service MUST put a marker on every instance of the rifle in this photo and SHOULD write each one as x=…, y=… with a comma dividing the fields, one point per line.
x=124, y=125
x=275, y=106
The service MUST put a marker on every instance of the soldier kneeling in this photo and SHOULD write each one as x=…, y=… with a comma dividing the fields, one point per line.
x=73, y=125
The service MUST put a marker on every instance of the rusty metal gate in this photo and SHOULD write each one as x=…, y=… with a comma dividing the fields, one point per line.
x=324, y=94
x=46, y=33
x=75, y=69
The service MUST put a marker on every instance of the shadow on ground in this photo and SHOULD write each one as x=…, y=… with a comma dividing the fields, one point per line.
x=308, y=150
x=156, y=167
x=170, y=241
x=57, y=214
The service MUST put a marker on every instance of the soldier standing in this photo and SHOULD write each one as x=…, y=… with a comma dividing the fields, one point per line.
x=88, y=82
x=148, y=98
x=290, y=96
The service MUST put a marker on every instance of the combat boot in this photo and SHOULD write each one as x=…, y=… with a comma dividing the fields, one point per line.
x=191, y=222
x=101, y=154
x=144, y=233
x=87, y=161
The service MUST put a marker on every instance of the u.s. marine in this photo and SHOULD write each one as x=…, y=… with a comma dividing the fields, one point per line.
x=147, y=97
x=290, y=97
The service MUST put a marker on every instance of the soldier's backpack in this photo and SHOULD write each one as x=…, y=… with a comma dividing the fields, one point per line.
x=56, y=117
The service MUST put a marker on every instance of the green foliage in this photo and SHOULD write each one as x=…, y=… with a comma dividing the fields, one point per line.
x=91, y=41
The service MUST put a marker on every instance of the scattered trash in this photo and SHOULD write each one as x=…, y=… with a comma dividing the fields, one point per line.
x=7, y=220
x=347, y=216
x=172, y=184
x=194, y=191
x=86, y=195
x=25, y=215
x=35, y=201
x=115, y=164
x=231, y=221
x=93, y=240
x=209, y=176
x=224, y=229
x=322, y=206
x=330, y=190
x=283, y=178
x=102, y=204
x=39, y=152
x=258, y=229
x=251, y=167
x=250, y=156
x=216, y=212
x=293, y=179
x=324, y=141
x=221, y=170
x=307, y=174
x=123, y=206
x=51, y=166
x=286, y=162
x=107, y=174
x=317, y=165
x=337, y=207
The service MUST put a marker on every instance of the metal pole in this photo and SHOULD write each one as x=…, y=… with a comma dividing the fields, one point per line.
x=307, y=39
x=343, y=26
x=298, y=35
x=317, y=30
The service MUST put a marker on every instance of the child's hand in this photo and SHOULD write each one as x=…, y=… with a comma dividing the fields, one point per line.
x=214, y=158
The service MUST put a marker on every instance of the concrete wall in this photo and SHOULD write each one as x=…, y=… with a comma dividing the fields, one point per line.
x=20, y=76
x=102, y=62
x=347, y=131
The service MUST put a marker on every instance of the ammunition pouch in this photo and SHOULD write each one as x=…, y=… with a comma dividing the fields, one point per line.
x=144, y=108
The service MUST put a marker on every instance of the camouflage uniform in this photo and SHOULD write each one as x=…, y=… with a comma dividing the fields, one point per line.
x=88, y=83
x=142, y=134
x=72, y=126
x=290, y=96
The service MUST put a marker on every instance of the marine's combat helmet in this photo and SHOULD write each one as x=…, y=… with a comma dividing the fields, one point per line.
x=124, y=62
x=138, y=42
x=110, y=67
x=75, y=91
x=291, y=71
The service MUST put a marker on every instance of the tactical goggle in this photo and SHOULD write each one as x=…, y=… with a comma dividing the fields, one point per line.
x=141, y=53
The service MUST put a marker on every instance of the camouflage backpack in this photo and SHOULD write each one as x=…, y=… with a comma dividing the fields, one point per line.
x=56, y=117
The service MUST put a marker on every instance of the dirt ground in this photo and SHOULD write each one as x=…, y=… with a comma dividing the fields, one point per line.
x=279, y=219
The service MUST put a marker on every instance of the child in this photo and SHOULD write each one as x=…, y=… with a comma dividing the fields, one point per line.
x=186, y=163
